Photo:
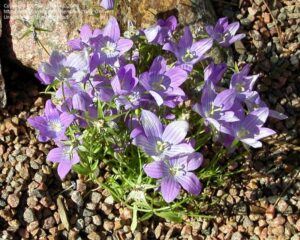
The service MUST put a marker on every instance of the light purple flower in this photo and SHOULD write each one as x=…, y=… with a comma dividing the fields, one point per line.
x=161, y=32
x=66, y=156
x=109, y=45
x=187, y=52
x=102, y=89
x=163, y=84
x=217, y=109
x=250, y=130
x=53, y=124
x=214, y=72
x=243, y=84
x=107, y=4
x=175, y=173
x=224, y=33
x=86, y=35
x=254, y=102
x=159, y=141
x=74, y=66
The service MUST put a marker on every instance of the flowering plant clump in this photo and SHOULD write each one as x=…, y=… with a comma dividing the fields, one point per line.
x=144, y=105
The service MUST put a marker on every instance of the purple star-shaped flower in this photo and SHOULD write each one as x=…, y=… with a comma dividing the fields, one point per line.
x=53, y=124
x=86, y=35
x=187, y=52
x=250, y=130
x=224, y=33
x=164, y=84
x=125, y=80
x=74, y=66
x=109, y=45
x=254, y=102
x=175, y=173
x=243, y=84
x=161, y=31
x=217, y=109
x=159, y=141
x=66, y=156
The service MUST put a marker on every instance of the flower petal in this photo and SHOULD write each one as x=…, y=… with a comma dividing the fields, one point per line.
x=112, y=29
x=156, y=169
x=151, y=124
x=148, y=145
x=194, y=161
x=175, y=132
x=169, y=189
x=190, y=183
x=124, y=45
x=63, y=169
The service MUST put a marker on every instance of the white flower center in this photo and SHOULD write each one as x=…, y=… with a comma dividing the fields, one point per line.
x=240, y=87
x=110, y=48
x=189, y=56
x=161, y=146
x=134, y=97
x=242, y=133
x=158, y=85
x=55, y=125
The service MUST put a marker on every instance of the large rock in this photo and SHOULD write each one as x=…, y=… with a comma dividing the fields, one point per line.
x=63, y=19
x=2, y=84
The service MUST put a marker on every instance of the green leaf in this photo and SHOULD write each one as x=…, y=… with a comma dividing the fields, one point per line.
x=146, y=216
x=172, y=216
x=134, y=219
x=82, y=148
x=81, y=170
x=95, y=165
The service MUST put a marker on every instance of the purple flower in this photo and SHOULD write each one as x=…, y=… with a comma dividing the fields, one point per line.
x=107, y=4
x=254, y=102
x=243, y=84
x=175, y=173
x=109, y=45
x=250, y=130
x=66, y=156
x=224, y=33
x=159, y=141
x=86, y=35
x=74, y=66
x=217, y=109
x=162, y=83
x=187, y=52
x=102, y=89
x=214, y=72
x=72, y=96
x=125, y=80
x=53, y=124
x=161, y=31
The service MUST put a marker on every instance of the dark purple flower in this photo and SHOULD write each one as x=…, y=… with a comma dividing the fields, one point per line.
x=187, y=52
x=217, y=109
x=102, y=89
x=159, y=141
x=163, y=84
x=136, y=98
x=175, y=173
x=86, y=35
x=107, y=4
x=214, y=72
x=250, y=130
x=125, y=80
x=53, y=124
x=161, y=32
x=224, y=33
x=109, y=45
x=66, y=156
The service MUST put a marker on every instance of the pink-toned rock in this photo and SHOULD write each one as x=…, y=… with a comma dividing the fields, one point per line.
x=63, y=18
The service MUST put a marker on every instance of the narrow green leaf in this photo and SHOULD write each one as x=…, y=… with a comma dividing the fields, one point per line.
x=146, y=216
x=171, y=216
x=134, y=219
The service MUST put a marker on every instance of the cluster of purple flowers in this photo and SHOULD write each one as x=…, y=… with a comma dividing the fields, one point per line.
x=101, y=67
